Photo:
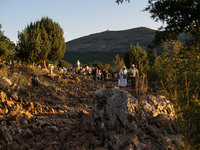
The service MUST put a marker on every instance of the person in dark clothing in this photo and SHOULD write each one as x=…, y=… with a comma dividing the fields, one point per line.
x=104, y=74
x=94, y=73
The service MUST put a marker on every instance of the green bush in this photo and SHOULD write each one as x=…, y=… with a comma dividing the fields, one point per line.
x=63, y=63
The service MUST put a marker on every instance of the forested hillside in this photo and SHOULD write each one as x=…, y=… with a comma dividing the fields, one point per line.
x=105, y=45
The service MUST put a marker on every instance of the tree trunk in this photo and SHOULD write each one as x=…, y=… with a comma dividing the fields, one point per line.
x=45, y=66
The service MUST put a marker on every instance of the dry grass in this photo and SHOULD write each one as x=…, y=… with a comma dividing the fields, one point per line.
x=3, y=73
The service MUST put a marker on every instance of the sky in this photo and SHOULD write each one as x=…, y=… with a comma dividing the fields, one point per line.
x=77, y=18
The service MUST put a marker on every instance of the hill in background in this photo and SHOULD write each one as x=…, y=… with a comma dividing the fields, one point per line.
x=105, y=45
x=112, y=41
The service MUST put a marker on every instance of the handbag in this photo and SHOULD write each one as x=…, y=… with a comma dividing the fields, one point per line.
x=124, y=76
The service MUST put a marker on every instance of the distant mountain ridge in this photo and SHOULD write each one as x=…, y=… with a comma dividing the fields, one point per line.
x=112, y=41
x=105, y=45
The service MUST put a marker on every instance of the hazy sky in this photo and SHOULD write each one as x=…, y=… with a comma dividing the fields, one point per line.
x=76, y=17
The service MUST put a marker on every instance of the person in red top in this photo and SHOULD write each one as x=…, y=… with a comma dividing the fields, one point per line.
x=42, y=65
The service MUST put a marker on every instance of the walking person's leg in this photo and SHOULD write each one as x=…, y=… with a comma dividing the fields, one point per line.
x=132, y=83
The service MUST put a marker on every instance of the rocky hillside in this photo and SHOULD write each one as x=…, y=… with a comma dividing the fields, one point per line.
x=110, y=41
x=63, y=112
x=105, y=45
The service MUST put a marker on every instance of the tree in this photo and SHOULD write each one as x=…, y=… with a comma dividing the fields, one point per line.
x=55, y=36
x=178, y=16
x=45, y=45
x=106, y=67
x=40, y=41
x=28, y=46
x=136, y=55
x=179, y=66
x=97, y=64
x=118, y=63
x=121, y=1
x=6, y=46
x=168, y=65
x=63, y=63
x=152, y=55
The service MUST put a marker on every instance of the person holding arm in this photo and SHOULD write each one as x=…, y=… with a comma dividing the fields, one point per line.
x=123, y=77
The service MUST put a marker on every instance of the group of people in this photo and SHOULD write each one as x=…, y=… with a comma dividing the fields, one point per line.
x=133, y=74
x=98, y=74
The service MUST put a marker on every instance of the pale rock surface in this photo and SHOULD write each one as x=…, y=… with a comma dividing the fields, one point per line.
x=6, y=81
x=125, y=122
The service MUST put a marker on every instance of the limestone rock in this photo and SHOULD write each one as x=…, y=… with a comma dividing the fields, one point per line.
x=5, y=134
x=126, y=122
x=25, y=147
x=35, y=81
x=15, y=96
x=63, y=135
x=3, y=97
x=99, y=148
x=27, y=134
x=37, y=146
x=6, y=81
x=13, y=146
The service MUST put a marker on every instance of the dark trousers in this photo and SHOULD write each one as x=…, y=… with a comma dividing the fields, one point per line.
x=133, y=81
x=94, y=77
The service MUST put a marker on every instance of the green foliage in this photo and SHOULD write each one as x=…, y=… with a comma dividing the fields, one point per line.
x=63, y=63
x=179, y=17
x=107, y=67
x=49, y=62
x=121, y=1
x=135, y=55
x=178, y=68
x=86, y=57
x=46, y=42
x=6, y=46
x=152, y=69
x=55, y=35
x=97, y=64
x=153, y=77
x=40, y=41
x=168, y=64
x=152, y=55
x=191, y=122
x=118, y=63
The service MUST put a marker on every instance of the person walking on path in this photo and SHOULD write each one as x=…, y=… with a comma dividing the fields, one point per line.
x=123, y=77
x=133, y=74
x=94, y=73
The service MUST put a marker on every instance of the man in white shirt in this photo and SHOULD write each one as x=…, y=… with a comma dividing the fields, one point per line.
x=133, y=74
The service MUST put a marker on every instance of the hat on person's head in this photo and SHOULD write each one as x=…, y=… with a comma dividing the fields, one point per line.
x=124, y=67
x=132, y=65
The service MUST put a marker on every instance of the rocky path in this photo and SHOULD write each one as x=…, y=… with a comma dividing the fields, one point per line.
x=48, y=117
x=51, y=116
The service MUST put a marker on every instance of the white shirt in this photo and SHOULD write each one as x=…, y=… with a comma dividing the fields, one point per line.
x=133, y=72
x=122, y=81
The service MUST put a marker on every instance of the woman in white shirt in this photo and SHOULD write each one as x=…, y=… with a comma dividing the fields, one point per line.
x=123, y=77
